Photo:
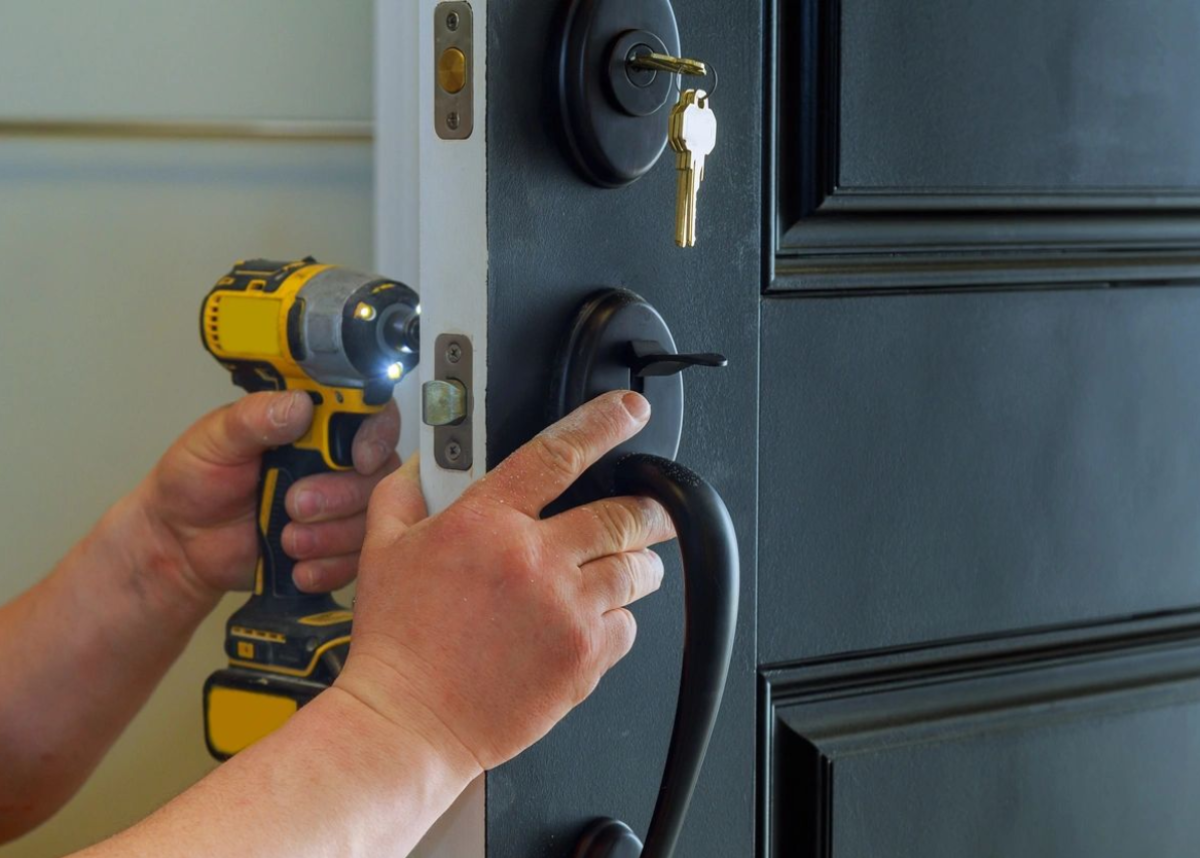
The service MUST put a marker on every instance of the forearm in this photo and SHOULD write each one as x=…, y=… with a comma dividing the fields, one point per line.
x=337, y=779
x=82, y=650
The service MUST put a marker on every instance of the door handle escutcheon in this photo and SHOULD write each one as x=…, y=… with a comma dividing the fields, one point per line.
x=708, y=546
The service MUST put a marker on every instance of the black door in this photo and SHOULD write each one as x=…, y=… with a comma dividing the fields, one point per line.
x=947, y=247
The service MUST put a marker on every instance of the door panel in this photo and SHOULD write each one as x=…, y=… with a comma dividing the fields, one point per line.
x=1065, y=745
x=937, y=455
x=942, y=466
x=552, y=240
x=978, y=420
x=1054, y=132
x=1020, y=96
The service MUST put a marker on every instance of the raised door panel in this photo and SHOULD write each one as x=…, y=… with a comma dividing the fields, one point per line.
x=1075, y=745
x=943, y=142
x=943, y=466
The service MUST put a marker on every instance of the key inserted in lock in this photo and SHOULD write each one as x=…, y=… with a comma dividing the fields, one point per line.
x=614, y=111
x=616, y=66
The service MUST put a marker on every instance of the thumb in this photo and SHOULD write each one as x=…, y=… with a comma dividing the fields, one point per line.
x=243, y=431
x=397, y=502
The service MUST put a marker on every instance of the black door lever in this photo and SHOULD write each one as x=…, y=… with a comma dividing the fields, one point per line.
x=708, y=547
x=650, y=358
x=618, y=340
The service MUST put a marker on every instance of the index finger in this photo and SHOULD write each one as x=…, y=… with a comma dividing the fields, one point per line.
x=546, y=466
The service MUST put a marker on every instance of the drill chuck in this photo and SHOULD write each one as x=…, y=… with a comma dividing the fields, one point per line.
x=340, y=329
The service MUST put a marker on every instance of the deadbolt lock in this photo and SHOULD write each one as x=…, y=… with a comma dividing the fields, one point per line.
x=454, y=50
x=616, y=64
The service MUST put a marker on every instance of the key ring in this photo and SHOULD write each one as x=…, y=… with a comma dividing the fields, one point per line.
x=709, y=67
x=678, y=66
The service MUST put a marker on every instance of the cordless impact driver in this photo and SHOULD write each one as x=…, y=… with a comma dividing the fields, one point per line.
x=346, y=339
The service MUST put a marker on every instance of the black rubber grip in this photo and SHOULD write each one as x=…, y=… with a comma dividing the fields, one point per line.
x=288, y=464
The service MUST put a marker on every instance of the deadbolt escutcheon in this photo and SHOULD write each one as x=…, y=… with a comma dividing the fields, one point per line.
x=639, y=92
x=613, y=120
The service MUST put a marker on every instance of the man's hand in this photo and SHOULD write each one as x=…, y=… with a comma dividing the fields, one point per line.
x=481, y=627
x=200, y=500
x=121, y=606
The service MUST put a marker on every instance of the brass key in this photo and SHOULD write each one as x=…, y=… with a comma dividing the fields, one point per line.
x=683, y=165
x=693, y=135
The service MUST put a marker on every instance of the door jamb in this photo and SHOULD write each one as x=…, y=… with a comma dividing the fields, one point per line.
x=431, y=226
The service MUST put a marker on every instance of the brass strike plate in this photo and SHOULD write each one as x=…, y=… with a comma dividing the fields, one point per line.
x=454, y=70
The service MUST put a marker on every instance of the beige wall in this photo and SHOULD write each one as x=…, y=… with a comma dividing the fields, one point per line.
x=106, y=250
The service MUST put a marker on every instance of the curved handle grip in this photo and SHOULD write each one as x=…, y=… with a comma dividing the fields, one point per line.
x=708, y=546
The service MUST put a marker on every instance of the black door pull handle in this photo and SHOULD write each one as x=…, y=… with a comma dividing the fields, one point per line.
x=708, y=546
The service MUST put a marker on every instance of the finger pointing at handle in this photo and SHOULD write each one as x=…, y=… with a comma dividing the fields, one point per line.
x=541, y=470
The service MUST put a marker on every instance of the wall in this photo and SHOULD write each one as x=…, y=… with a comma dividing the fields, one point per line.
x=107, y=249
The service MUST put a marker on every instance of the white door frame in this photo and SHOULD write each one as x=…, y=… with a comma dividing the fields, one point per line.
x=431, y=232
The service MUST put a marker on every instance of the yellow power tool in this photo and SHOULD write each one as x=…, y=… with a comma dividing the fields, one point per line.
x=345, y=338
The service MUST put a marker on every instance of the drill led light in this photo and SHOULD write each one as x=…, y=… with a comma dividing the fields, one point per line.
x=395, y=371
x=365, y=312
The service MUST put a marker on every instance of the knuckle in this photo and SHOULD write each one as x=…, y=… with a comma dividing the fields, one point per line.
x=289, y=541
x=560, y=453
x=347, y=495
x=619, y=521
x=241, y=417
x=381, y=427
x=388, y=489
x=626, y=574
x=521, y=556
x=457, y=527
x=310, y=541
x=615, y=418
x=472, y=509
x=579, y=647
x=657, y=519
x=625, y=630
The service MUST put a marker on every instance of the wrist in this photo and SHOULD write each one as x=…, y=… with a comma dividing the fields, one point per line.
x=149, y=559
x=408, y=756
x=384, y=690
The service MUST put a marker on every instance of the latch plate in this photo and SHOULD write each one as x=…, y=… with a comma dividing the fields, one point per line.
x=453, y=361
